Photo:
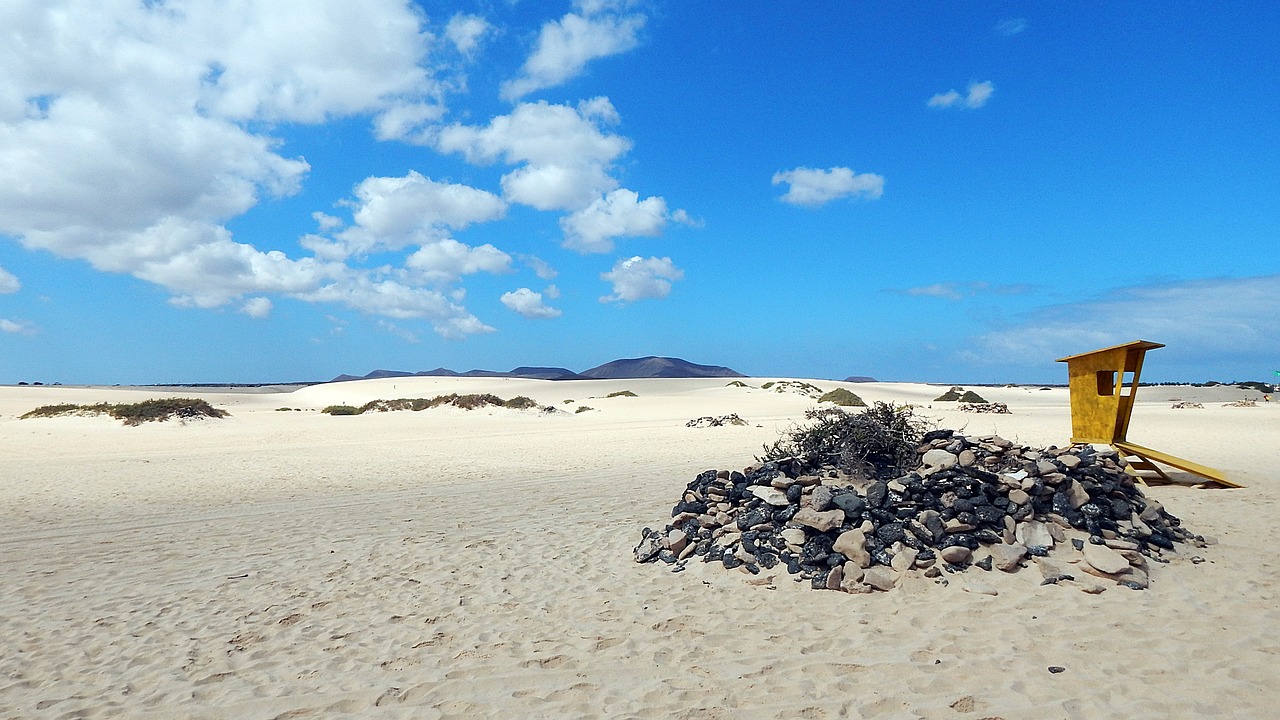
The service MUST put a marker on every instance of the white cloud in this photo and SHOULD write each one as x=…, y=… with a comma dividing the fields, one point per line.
x=812, y=187
x=258, y=307
x=444, y=261
x=528, y=303
x=564, y=154
x=130, y=133
x=1011, y=26
x=1230, y=318
x=640, y=278
x=978, y=95
x=539, y=267
x=465, y=32
x=621, y=213
x=565, y=46
x=394, y=212
x=16, y=328
x=8, y=282
x=962, y=290
x=390, y=298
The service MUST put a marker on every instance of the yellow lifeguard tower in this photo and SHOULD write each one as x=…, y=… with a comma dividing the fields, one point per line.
x=1103, y=386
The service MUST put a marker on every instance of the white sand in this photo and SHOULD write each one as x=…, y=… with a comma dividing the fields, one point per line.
x=452, y=564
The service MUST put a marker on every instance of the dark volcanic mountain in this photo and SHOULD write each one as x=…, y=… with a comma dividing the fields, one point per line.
x=657, y=367
x=646, y=367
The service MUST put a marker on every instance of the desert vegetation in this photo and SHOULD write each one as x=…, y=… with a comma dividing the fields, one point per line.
x=154, y=410
x=472, y=401
x=879, y=441
x=843, y=398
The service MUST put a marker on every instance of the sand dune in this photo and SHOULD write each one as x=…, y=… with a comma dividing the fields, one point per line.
x=451, y=564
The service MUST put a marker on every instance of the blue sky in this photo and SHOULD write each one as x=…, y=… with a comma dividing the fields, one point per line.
x=262, y=190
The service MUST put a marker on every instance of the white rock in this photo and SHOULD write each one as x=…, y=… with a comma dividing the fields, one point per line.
x=1034, y=533
x=772, y=496
x=853, y=545
x=880, y=577
x=793, y=536
x=904, y=559
x=820, y=521
x=1104, y=559
x=938, y=458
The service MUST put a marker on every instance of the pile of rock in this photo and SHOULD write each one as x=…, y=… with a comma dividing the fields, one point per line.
x=1247, y=402
x=1186, y=405
x=973, y=501
x=720, y=421
x=986, y=407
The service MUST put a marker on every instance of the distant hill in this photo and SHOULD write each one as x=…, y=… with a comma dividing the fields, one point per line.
x=859, y=378
x=546, y=373
x=646, y=367
x=657, y=367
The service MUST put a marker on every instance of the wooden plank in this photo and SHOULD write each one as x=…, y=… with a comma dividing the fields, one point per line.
x=1175, y=461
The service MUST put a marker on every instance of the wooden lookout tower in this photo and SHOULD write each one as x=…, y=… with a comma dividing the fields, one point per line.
x=1103, y=386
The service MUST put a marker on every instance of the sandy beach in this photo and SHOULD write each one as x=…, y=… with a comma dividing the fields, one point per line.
x=477, y=564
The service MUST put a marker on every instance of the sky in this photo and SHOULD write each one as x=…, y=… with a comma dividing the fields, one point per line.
x=257, y=191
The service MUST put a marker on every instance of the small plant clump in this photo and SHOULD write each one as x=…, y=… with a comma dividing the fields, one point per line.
x=959, y=394
x=465, y=402
x=621, y=393
x=582, y=409
x=879, y=442
x=843, y=398
x=737, y=383
x=156, y=410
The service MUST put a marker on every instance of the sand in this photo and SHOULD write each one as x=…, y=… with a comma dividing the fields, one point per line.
x=446, y=564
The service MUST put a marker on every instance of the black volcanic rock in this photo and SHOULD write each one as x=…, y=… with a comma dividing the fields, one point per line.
x=859, y=379
x=656, y=367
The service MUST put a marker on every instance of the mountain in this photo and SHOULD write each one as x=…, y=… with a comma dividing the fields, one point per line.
x=378, y=374
x=546, y=373
x=657, y=367
x=646, y=367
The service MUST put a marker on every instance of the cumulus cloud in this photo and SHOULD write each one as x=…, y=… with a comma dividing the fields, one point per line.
x=8, y=282
x=444, y=261
x=130, y=133
x=465, y=32
x=564, y=154
x=528, y=303
x=1205, y=320
x=812, y=187
x=621, y=213
x=978, y=94
x=395, y=212
x=258, y=307
x=640, y=278
x=565, y=46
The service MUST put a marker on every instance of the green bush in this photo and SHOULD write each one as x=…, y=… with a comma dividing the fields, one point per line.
x=157, y=410
x=520, y=402
x=582, y=409
x=341, y=410
x=878, y=442
x=739, y=383
x=842, y=397
x=622, y=393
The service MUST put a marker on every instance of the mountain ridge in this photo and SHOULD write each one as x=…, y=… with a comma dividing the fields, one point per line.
x=651, y=366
